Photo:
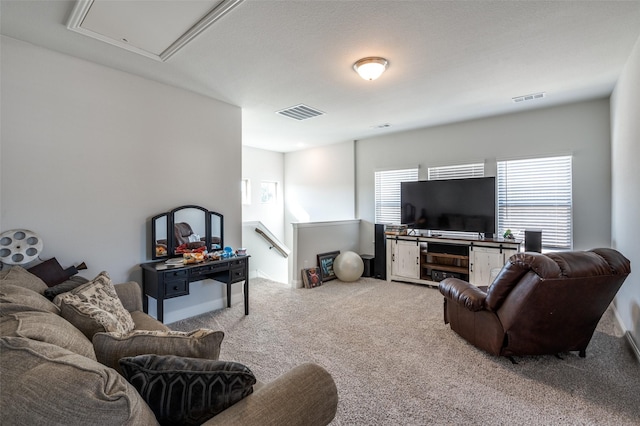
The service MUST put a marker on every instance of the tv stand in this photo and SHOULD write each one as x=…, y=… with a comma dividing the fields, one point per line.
x=428, y=260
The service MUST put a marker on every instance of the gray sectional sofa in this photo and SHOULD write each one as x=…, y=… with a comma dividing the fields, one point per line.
x=59, y=365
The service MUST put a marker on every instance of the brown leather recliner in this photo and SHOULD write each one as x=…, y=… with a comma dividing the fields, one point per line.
x=538, y=304
x=182, y=233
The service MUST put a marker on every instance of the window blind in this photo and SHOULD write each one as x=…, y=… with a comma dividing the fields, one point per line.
x=456, y=172
x=536, y=194
x=387, y=190
x=460, y=171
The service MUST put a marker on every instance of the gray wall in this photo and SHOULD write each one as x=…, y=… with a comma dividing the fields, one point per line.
x=89, y=154
x=625, y=111
x=580, y=129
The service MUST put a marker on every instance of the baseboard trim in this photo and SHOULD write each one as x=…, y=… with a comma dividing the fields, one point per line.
x=632, y=343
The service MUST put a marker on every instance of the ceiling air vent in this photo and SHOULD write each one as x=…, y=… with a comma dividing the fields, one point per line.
x=300, y=112
x=531, y=97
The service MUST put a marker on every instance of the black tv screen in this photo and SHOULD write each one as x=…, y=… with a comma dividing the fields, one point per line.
x=450, y=205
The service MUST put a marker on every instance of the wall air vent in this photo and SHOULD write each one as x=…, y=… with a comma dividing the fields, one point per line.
x=531, y=97
x=300, y=112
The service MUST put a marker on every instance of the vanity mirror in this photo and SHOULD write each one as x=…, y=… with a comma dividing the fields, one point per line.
x=186, y=228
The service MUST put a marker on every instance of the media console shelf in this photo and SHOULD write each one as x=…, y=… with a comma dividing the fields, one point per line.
x=428, y=260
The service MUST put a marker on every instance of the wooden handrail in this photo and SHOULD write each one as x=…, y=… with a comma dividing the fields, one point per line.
x=272, y=244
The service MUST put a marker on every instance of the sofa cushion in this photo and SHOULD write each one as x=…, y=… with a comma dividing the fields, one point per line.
x=95, y=307
x=44, y=384
x=187, y=391
x=15, y=294
x=19, y=276
x=50, y=272
x=47, y=327
x=201, y=343
x=63, y=287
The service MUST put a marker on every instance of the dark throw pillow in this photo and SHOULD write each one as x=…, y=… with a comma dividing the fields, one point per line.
x=50, y=272
x=64, y=287
x=187, y=391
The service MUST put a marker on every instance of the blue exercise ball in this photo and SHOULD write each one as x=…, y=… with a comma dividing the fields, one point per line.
x=348, y=266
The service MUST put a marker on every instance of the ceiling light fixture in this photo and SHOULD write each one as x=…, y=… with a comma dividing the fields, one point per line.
x=370, y=68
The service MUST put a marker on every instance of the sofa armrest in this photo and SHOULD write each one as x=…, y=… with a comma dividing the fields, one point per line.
x=463, y=293
x=304, y=396
x=130, y=295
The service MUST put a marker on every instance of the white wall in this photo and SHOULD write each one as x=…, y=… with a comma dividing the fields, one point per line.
x=319, y=187
x=625, y=140
x=311, y=239
x=260, y=165
x=89, y=154
x=320, y=184
x=581, y=129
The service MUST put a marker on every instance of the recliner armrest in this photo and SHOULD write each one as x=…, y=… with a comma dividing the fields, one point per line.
x=463, y=293
x=304, y=396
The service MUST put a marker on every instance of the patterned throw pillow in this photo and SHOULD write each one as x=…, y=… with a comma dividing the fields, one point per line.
x=63, y=287
x=201, y=343
x=95, y=307
x=187, y=391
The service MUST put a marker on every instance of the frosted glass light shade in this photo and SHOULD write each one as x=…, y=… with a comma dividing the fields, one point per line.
x=370, y=68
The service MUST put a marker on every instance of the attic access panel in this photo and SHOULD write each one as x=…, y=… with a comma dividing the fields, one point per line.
x=155, y=29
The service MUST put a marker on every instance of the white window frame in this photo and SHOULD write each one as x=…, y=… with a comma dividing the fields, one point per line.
x=536, y=193
x=387, y=193
x=268, y=192
x=245, y=190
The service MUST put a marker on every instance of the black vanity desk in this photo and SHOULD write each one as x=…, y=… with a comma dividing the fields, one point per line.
x=162, y=281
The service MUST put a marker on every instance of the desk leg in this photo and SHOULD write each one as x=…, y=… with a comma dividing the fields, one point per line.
x=246, y=296
x=228, y=295
x=160, y=310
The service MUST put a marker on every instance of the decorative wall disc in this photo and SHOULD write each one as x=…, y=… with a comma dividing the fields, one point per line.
x=19, y=246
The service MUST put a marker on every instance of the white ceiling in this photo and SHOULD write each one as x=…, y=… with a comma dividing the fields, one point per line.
x=448, y=60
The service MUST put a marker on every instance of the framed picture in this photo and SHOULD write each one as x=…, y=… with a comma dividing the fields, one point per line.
x=311, y=277
x=325, y=262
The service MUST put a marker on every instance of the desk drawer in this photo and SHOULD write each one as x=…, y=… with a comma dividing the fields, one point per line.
x=237, y=263
x=237, y=274
x=175, y=275
x=208, y=269
x=176, y=288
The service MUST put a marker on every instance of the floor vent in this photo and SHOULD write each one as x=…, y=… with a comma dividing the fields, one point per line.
x=529, y=97
x=300, y=112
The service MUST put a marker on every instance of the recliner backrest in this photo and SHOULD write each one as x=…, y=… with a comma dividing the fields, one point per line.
x=575, y=264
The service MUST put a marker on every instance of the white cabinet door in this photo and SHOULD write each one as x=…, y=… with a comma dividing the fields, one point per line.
x=483, y=260
x=405, y=259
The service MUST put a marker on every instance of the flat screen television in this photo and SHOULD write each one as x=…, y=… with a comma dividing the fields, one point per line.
x=467, y=205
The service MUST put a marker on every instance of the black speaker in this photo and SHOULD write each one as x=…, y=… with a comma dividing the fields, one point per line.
x=367, y=260
x=380, y=260
x=533, y=240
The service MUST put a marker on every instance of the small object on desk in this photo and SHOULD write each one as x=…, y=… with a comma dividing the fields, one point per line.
x=193, y=258
x=241, y=251
x=228, y=252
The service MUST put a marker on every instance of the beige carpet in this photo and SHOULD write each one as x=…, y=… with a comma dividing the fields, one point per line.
x=396, y=363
